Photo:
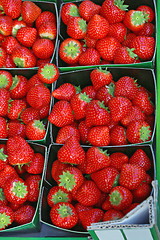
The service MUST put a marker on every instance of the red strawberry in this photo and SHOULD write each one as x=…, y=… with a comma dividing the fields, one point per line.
x=90, y=91
x=16, y=190
x=120, y=198
x=96, y=159
x=88, y=193
x=131, y=207
x=33, y=184
x=138, y=132
x=61, y=114
x=150, y=119
x=71, y=152
x=43, y=48
x=9, y=62
x=48, y=30
x=9, y=44
x=106, y=178
x=142, y=192
x=29, y=114
x=3, y=200
x=64, y=92
x=118, y=159
x=23, y=57
x=5, y=79
x=83, y=130
x=91, y=216
x=140, y=158
x=6, y=25
x=113, y=10
x=100, y=78
x=64, y=215
x=3, y=128
x=105, y=93
x=134, y=20
x=96, y=114
x=44, y=111
x=6, y=174
x=148, y=12
x=68, y=11
x=107, y=47
x=19, y=151
x=144, y=47
x=99, y=136
x=57, y=168
x=90, y=57
x=77, y=28
x=26, y=36
x=128, y=40
x=24, y=214
x=112, y=214
x=80, y=207
x=4, y=99
x=118, y=31
x=124, y=55
x=131, y=176
x=12, y=8
x=147, y=30
x=88, y=9
x=3, y=156
x=34, y=80
x=6, y=217
x=56, y=195
x=45, y=16
x=70, y=50
x=15, y=108
x=36, y=165
x=48, y=73
x=106, y=204
x=38, y=96
x=35, y=130
x=98, y=27
x=89, y=42
x=30, y=11
x=66, y=132
x=70, y=179
x=19, y=87
x=17, y=24
x=16, y=128
x=119, y=107
x=134, y=114
x=118, y=135
x=3, y=56
x=42, y=61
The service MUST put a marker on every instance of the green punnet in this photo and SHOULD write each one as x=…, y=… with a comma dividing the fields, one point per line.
x=15, y=82
x=3, y=81
x=74, y=11
x=72, y=49
x=64, y=211
x=145, y=133
x=19, y=189
x=137, y=18
x=85, y=97
x=48, y=71
x=67, y=180
x=120, y=5
x=60, y=196
x=3, y=156
x=115, y=198
x=4, y=220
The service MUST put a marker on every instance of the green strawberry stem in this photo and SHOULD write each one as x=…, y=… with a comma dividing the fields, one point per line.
x=72, y=49
x=111, y=88
x=60, y=196
x=131, y=53
x=82, y=25
x=39, y=124
x=4, y=220
x=145, y=133
x=3, y=157
x=137, y=18
x=101, y=104
x=2, y=196
x=64, y=211
x=15, y=82
x=78, y=89
x=74, y=11
x=85, y=97
x=115, y=198
x=120, y=5
x=19, y=189
x=104, y=152
x=48, y=71
x=103, y=70
x=67, y=180
x=3, y=81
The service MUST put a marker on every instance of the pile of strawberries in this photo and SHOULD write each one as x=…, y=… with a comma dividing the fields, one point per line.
x=27, y=34
x=20, y=177
x=104, y=113
x=109, y=34
x=93, y=185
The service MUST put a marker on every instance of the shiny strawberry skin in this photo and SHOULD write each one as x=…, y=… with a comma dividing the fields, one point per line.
x=130, y=20
x=118, y=159
x=105, y=93
x=35, y=130
x=64, y=92
x=112, y=214
x=100, y=77
x=142, y=192
x=3, y=56
x=19, y=87
x=3, y=128
x=7, y=212
x=29, y=114
x=17, y=24
x=12, y=8
x=6, y=25
x=66, y=132
x=33, y=184
x=7, y=172
x=30, y=11
x=140, y=157
x=48, y=30
x=48, y=73
x=68, y=11
x=24, y=214
x=26, y=36
x=4, y=157
x=99, y=136
x=45, y=16
x=118, y=31
x=124, y=55
x=34, y=80
x=77, y=28
x=90, y=57
x=135, y=114
x=43, y=48
x=10, y=43
x=83, y=130
x=118, y=136
x=57, y=168
x=87, y=9
x=148, y=10
x=16, y=128
x=15, y=108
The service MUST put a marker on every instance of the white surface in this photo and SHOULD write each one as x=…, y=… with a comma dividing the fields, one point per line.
x=110, y=235
x=138, y=234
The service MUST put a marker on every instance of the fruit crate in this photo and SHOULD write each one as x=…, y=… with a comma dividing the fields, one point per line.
x=144, y=77
x=132, y=5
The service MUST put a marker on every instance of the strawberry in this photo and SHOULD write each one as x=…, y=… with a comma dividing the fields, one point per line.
x=138, y=132
x=144, y=47
x=105, y=93
x=118, y=136
x=57, y=168
x=99, y=136
x=77, y=28
x=45, y=16
x=12, y=8
x=112, y=214
x=96, y=114
x=90, y=57
x=70, y=50
x=6, y=25
x=107, y=47
x=29, y=114
x=150, y=119
x=87, y=9
x=5, y=174
x=64, y=92
x=148, y=12
x=9, y=44
x=19, y=151
x=134, y=20
x=9, y=62
x=106, y=204
x=128, y=39
x=48, y=30
x=83, y=131
x=120, y=198
x=134, y=114
x=61, y=114
x=30, y=11
x=118, y=31
x=124, y=55
x=34, y=80
x=6, y=217
x=89, y=42
x=18, y=88
x=3, y=156
x=113, y=10
x=100, y=77
x=44, y=111
x=147, y=30
x=38, y=96
x=15, y=108
x=3, y=200
x=33, y=185
x=71, y=152
x=70, y=179
x=140, y=158
x=66, y=132
x=69, y=11
x=16, y=190
x=24, y=214
x=131, y=176
x=4, y=99
x=43, y=48
x=90, y=91
x=96, y=159
x=119, y=107
x=36, y=165
x=42, y=61
x=5, y=79
x=64, y=215
x=56, y=195
x=16, y=128
x=142, y=192
x=35, y=130
x=3, y=56
x=91, y=216
x=98, y=27
x=106, y=179
x=17, y=24
x=118, y=159
x=3, y=128
x=88, y=193
x=80, y=208
x=48, y=73
x=23, y=57
x=26, y=36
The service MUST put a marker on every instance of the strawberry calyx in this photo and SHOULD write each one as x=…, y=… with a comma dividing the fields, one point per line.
x=2, y=196
x=84, y=97
x=120, y=5
x=64, y=211
x=3, y=81
x=39, y=124
x=48, y=71
x=60, y=196
x=137, y=18
x=115, y=198
x=78, y=89
x=103, y=70
x=74, y=11
x=111, y=88
x=131, y=53
x=146, y=16
x=67, y=180
x=3, y=157
x=19, y=62
x=5, y=220
x=101, y=104
x=19, y=189
x=145, y=133
x=104, y=152
x=82, y=25
x=116, y=181
x=72, y=49
x=15, y=82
